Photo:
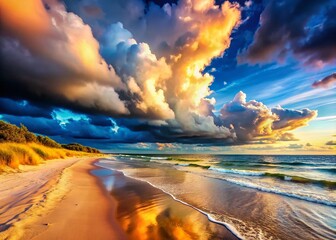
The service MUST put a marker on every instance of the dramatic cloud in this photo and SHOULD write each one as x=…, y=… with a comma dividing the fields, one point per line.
x=136, y=71
x=144, y=75
x=52, y=55
x=239, y=122
x=75, y=75
x=304, y=28
x=243, y=121
x=101, y=121
x=23, y=108
x=39, y=125
x=86, y=129
x=326, y=82
x=253, y=120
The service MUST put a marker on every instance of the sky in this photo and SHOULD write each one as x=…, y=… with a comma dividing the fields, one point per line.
x=173, y=76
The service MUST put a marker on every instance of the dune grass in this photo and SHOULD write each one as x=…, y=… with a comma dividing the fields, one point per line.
x=15, y=154
x=19, y=146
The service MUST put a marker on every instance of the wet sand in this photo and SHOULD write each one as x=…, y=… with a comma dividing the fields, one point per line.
x=247, y=212
x=146, y=212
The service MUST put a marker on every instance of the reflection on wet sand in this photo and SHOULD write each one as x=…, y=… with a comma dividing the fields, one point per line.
x=145, y=212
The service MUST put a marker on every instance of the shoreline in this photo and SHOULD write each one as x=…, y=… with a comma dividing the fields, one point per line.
x=229, y=227
x=68, y=202
x=121, y=178
x=253, y=213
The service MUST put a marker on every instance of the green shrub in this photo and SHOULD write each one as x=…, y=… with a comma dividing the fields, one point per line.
x=11, y=133
x=46, y=141
x=79, y=147
x=29, y=136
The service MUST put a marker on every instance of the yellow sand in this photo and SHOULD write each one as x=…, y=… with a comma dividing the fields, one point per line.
x=57, y=200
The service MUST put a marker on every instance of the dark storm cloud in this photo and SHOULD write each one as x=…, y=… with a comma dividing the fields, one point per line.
x=49, y=55
x=93, y=127
x=326, y=82
x=85, y=129
x=171, y=131
x=321, y=42
x=23, y=108
x=305, y=28
x=101, y=129
x=101, y=121
x=39, y=125
x=89, y=130
x=160, y=2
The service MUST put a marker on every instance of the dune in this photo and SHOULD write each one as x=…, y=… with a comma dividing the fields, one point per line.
x=56, y=200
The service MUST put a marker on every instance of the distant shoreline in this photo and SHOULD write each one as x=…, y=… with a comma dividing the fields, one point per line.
x=217, y=154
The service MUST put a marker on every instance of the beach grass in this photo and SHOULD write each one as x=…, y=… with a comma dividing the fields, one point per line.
x=15, y=154
x=19, y=146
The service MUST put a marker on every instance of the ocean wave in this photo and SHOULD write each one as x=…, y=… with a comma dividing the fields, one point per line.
x=106, y=160
x=328, y=170
x=182, y=164
x=237, y=171
x=133, y=156
x=279, y=176
x=299, y=163
x=139, y=159
x=193, y=165
x=187, y=160
x=309, y=198
x=160, y=158
x=298, y=179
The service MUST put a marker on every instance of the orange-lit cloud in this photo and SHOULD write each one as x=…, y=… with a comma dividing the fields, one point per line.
x=163, y=146
x=58, y=54
x=253, y=120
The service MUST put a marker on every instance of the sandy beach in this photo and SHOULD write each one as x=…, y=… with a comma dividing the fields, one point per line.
x=123, y=197
x=73, y=199
x=56, y=200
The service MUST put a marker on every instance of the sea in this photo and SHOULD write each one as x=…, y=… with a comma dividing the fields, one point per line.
x=253, y=196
